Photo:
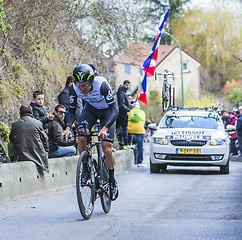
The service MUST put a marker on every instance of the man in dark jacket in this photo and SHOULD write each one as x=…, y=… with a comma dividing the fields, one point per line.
x=66, y=96
x=225, y=118
x=59, y=146
x=27, y=137
x=122, y=120
x=63, y=97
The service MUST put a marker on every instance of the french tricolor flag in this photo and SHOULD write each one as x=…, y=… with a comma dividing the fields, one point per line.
x=149, y=63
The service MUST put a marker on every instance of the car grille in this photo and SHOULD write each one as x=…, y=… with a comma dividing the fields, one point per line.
x=188, y=157
x=188, y=143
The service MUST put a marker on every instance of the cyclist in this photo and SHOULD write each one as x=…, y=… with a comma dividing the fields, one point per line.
x=99, y=103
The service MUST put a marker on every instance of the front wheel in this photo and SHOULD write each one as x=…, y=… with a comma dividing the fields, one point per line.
x=85, y=190
x=105, y=195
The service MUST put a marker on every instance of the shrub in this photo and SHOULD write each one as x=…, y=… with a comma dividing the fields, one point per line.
x=4, y=132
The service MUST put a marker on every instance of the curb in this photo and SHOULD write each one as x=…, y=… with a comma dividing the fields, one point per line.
x=21, y=179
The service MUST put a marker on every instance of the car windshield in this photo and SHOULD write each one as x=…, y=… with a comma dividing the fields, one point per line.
x=191, y=122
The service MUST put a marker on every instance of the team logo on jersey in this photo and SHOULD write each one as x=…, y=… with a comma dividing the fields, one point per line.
x=72, y=99
x=109, y=96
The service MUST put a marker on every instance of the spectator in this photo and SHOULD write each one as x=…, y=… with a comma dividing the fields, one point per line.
x=136, y=128
x=59, y=146
x=124, y=108
x=129, y=135
x=27, y=137
x=233, y=137
x=40, y=114
x=63, y=97
x=237, y=113
x=152, y=130
x=225, y=118
x=94, y=69
x=3, y=155
x=239, y=131
x=147, y=122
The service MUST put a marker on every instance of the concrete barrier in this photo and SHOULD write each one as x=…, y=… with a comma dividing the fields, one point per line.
x=23, y=178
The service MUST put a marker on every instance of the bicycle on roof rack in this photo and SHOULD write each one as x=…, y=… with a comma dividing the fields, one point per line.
x=92, y=175
x=167, y=91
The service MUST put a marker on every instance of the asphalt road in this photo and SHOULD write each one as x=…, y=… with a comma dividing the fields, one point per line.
x=183, y=203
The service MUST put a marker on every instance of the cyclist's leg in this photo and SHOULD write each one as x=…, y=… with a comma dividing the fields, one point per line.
x=109, y=156
x=87, y=114
x=107, y=146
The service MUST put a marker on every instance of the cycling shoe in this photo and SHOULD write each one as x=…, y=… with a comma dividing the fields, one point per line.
x=113, y=190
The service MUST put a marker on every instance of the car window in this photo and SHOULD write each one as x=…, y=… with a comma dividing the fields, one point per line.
x=190, y=122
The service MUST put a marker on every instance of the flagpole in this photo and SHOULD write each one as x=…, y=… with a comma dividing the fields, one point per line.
x=181, y=65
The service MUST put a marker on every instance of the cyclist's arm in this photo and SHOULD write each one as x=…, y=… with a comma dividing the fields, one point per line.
x=106, y=91
x=70, y=116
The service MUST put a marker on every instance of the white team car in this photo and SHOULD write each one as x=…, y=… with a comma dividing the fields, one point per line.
x=190, y=137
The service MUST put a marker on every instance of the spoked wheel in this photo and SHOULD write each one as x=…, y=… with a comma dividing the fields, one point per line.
x=105, y=195
x=85, y=189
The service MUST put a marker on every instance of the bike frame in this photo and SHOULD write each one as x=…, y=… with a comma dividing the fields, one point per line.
x=97, y=185
x=167, y=92
x=90, y=145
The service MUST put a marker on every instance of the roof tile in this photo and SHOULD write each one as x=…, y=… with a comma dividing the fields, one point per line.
x=137, y=53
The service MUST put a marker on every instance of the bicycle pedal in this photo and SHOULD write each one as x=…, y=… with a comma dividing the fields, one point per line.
x=105, y=187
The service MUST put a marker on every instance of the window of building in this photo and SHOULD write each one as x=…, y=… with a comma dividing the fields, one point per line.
x=127, y=68
x=141, y=71
x=185, y=66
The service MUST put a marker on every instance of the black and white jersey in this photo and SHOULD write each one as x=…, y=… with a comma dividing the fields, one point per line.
x=100, y=97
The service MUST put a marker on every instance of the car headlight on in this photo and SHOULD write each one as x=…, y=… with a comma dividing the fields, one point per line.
x=216, y=142
x=161, y=141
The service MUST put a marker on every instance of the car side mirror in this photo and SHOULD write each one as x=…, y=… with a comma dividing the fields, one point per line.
x=152, y=126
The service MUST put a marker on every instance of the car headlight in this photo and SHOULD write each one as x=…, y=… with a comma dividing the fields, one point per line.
x=216, y=142
x=161, y=141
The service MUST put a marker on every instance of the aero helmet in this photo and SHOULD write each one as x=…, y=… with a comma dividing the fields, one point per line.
x=83, y=73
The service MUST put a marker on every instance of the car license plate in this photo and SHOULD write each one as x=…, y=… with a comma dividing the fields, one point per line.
x=187, y=151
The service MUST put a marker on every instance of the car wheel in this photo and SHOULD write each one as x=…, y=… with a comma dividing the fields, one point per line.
x=154, y=168
x=225, y=169
x=163, y=167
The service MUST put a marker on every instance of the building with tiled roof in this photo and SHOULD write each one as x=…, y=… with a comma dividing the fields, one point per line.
x=129, y=66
